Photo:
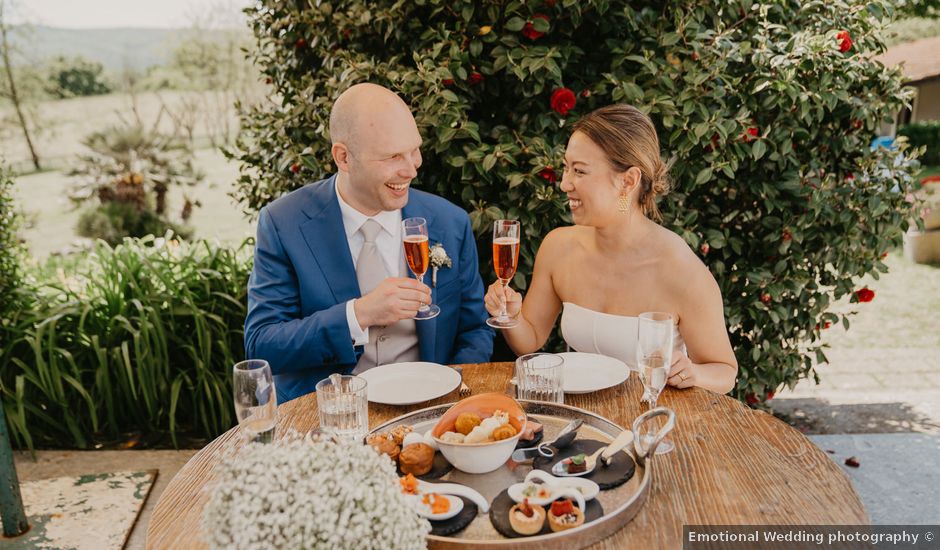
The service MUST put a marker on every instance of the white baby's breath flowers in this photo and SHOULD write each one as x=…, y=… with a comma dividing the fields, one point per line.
x=310, y=493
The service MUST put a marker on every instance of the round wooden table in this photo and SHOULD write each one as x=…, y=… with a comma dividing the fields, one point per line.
x=732, y=465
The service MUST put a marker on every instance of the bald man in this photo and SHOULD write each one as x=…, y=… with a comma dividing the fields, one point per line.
x=330, y=290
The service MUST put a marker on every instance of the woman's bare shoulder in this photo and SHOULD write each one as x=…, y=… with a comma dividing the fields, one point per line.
x=683, y=268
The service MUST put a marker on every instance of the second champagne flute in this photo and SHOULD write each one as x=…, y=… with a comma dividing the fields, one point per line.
x=414, y=236
x=505, y=260
x=655, y=340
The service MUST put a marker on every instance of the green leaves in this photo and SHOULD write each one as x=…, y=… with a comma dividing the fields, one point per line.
x=140, y=339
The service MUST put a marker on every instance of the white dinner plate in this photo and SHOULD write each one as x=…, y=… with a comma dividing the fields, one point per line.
x=409, y=383
x=587, y=372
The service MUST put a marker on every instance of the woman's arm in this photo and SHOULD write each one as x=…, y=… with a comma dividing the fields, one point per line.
x=540, y=308
x=711, y=363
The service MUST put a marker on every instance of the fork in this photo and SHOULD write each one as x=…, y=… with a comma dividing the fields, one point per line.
x=464, y=388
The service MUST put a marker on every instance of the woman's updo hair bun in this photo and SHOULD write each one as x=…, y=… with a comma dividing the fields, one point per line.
x=628, y=138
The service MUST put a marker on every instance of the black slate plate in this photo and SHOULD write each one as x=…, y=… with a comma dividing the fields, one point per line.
x=499, y=515
x=439, y=468
x=539, y=435
x=457, y=523
x=620, y=470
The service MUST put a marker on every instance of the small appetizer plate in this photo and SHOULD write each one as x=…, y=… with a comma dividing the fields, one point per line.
x=424, y=510
x=455, y=489
x=587, y=487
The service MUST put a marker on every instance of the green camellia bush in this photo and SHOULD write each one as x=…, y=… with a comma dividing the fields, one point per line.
x=765, y=110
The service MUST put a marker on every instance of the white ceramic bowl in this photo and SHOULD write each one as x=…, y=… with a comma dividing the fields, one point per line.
x=480, y=458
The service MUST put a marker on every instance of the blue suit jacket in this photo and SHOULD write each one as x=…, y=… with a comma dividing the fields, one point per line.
x=303, y=276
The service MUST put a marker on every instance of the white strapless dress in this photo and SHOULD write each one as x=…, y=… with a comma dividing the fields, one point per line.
x=590, y=331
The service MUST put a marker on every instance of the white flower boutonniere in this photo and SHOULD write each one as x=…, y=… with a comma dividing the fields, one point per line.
x=439, y=258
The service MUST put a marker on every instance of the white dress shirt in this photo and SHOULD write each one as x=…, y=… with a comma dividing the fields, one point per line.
x=390, y=249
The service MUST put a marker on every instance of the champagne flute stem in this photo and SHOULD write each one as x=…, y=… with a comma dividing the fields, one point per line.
x=503, y=313
x=650, y=432
x=424, y=307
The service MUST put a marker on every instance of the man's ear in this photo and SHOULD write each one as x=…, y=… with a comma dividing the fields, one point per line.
x=340, y=156
x=630, y=179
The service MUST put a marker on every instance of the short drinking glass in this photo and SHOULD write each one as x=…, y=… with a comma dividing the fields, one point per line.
x=255, y=400
x=540, y=377
x=343, y=405
x=655, y=338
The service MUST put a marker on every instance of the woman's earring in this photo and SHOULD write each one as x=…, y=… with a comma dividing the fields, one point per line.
x=624, y=203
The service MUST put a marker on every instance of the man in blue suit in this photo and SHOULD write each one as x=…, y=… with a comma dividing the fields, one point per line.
x=330, y=291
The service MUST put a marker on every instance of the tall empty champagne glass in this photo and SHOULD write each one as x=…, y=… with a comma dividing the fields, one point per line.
x=255, y=400
x=655, y=338
x=414, y=235
x=505, y=260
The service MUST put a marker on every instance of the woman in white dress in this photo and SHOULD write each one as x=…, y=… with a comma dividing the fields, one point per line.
x=617, y=262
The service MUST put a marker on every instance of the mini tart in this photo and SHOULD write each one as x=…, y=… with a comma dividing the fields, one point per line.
x=527, y=525
x=556, y=524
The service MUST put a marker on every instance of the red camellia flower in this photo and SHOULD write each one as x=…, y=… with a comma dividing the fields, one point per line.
x=548, y=174
x=475, y=78
x=850, y=176
x=865, y=294
x=765, y=298
x=448, y=82
x=787, y=235
x=704, y=249
x=585, y=93
x=770, y=395
x=529, y=30
x=295, y=168
x=845, y=41
x=751, y=399
x=301, y=43
x=563, y=100
x=750, y=134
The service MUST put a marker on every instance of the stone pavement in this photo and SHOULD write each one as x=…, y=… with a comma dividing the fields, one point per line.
x=885, y=404
x=49, y=464
x=878, y=390
x=897, y=476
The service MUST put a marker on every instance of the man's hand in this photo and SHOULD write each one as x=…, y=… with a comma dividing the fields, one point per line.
x=395, y=298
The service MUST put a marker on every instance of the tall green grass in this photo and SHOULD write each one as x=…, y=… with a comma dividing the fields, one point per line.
x=139, y=338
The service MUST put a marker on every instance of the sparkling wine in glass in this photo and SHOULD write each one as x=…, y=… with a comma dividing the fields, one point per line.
x=414, y=234
x=655, y=339
x=255, y=400
x=505, y=260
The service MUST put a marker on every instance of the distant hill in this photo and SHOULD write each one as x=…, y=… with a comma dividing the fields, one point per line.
x=116, y=48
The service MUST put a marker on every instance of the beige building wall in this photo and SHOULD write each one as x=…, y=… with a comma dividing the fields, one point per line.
x=927, y=103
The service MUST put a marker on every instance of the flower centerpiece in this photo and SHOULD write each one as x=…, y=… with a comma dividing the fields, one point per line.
x=310, y=492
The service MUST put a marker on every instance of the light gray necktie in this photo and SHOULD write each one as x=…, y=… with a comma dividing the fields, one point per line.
x=370, y=269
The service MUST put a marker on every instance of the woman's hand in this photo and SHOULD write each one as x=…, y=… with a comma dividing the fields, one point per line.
x=498, y=295
x=682, y=373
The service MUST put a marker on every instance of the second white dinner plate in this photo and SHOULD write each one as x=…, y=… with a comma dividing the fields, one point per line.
x=587, y=372
x=409, y=383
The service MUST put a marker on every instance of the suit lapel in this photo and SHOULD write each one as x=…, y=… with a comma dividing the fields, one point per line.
x=325, y=235
x=427, y=330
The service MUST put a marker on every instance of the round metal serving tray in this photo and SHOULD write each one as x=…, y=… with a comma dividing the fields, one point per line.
x=620, y=503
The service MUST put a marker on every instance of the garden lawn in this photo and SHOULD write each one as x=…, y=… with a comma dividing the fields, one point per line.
x=51, y=217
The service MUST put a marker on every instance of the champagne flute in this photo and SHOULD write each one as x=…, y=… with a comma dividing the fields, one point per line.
x=255, y=400
x=655, y=339
x=505, y=260
x=414, y=235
